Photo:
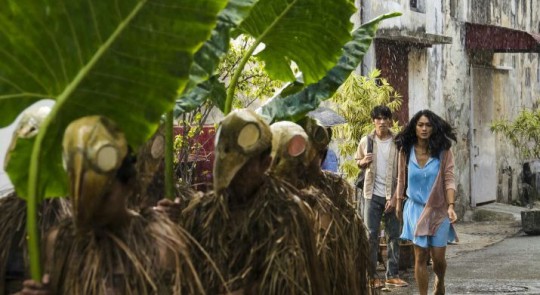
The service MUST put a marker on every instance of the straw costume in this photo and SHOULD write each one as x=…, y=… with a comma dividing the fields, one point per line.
x=342, y=240
x=354, y=242
x=253, y=225
x=106, y=248
x=13, y=252
x=13, y=247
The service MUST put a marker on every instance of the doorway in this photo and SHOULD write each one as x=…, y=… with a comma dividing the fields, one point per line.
x=483, y=150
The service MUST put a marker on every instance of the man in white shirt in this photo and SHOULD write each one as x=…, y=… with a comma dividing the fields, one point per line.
x=380, y=163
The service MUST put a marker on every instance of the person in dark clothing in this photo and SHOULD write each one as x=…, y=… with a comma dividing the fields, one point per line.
x=253, y=225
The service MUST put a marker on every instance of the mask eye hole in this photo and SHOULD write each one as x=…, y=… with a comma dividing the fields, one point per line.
x=106, y=158
x=248, y=136
x=296, y=146
x=158, y=147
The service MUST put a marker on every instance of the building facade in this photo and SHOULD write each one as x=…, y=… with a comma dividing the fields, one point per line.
x=470, y=61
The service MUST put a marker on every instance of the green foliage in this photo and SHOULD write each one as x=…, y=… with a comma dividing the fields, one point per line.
x=354, y=100
x=523, y=133
x=297, y=99
x=295, y=31
x=204, y=80
x=254, y=83
x=299, y=30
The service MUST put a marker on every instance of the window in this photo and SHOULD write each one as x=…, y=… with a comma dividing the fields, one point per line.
x=418, y=5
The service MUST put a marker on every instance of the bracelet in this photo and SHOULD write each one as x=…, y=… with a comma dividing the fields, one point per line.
x=450, y=204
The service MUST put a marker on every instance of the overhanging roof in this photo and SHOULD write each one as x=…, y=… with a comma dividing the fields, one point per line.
x=419, y=39
x=500, y=39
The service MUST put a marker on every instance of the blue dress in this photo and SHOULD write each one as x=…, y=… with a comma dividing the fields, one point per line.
x=420, y=182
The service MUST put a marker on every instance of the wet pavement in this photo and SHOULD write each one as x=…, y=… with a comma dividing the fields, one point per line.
x=493, y=256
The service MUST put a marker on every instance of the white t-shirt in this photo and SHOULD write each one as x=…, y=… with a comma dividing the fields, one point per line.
x=383, y=153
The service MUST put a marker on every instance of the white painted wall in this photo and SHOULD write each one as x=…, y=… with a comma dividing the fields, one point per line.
x=5, y=141
x=418, y=81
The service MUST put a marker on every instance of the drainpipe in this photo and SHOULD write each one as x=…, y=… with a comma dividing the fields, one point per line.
x=471, y=139
x=363, y=15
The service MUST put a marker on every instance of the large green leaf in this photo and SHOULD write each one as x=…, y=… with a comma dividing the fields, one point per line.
x=17, y=169
x=203, y=81
x=309, y=32
x=292, y=107
x=124, y=59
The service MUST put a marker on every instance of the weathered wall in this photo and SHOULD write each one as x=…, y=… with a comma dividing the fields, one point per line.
x=455, y=75
x=516, y=81
x=440, y=76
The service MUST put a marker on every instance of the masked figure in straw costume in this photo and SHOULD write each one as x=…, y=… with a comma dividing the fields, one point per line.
x=253, y=225
x=107, y=248
x=342, y=243
x=13, y=253
x=150, y=184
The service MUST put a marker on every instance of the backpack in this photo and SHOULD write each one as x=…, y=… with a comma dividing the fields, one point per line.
x=359, y=182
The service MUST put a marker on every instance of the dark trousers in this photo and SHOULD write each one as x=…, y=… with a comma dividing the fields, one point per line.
x=373, y=214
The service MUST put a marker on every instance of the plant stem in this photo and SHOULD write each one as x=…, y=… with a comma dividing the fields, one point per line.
x=236, y=76
x=33, y=238
x=169, y=153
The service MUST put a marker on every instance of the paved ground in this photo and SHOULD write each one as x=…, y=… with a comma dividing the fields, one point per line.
x=494, y=223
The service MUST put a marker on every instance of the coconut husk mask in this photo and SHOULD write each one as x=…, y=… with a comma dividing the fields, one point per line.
x=27, y=127
x=317, y=133
x=94, y=149
x=289, y=146
x=240, y=135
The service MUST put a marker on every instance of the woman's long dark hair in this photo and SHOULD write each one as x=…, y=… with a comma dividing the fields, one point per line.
x=440, y=138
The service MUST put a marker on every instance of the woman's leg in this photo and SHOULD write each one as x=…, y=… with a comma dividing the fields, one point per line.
x=439, y=268
x=420, y=269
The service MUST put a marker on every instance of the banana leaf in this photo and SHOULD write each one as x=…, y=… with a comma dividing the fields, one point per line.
x=203, y=80
x=295, y=31
x=309, y=32
x=291, y=31
x=293, y=107
x=125, y=59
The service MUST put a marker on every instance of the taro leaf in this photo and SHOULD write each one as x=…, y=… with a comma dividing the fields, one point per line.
x=309, y=32
x=202, y=77
x=212, y=89
x=296, y=106
x=17, y=169
x=124, y=59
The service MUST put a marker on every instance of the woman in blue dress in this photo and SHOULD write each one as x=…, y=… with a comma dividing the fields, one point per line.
x=426, y=178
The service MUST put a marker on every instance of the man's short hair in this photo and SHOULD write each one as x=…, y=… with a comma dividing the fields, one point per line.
x=381, y=111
